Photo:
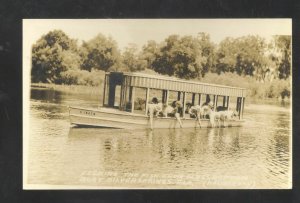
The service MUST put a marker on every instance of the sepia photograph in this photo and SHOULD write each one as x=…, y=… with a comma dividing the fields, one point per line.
x=157, y=104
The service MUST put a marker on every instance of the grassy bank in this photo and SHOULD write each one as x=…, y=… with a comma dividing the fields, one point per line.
x=268, y=92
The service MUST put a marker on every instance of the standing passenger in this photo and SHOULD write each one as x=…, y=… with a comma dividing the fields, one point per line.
x=206, y=107
x=178, y=110
x=195, y=112
x=154, y=109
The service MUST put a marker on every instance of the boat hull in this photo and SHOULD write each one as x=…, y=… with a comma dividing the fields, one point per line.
x=110, y=118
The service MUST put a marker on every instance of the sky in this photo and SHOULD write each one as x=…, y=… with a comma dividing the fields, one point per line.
x=139, y=31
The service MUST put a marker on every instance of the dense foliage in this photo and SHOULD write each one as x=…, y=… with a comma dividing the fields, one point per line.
x=283, y=46
x=132, y=60
x=53, y=54
x=180, y=56
x=244, y=55
x=100, y=53
x=58, y=59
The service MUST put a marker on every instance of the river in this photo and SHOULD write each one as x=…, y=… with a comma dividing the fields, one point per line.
x=257, y=155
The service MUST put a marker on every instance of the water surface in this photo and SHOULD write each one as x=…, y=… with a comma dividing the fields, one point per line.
x=254, y=156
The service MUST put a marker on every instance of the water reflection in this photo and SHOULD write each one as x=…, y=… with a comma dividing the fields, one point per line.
x=46, y=95
x=202, y=151
x=171, y=145
x=50, y=111
x=55, y=97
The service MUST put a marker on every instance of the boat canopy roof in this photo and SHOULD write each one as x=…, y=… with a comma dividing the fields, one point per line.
x=174, y=84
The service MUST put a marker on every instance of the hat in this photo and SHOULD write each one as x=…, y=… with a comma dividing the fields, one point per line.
x=189, y=104
x=154, y=100
x=210, y=104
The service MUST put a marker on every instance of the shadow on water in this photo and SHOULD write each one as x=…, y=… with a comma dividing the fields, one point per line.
x=49, y=111
x=50, y=96
x=46, y=95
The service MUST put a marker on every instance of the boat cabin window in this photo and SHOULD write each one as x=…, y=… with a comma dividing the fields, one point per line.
x=112, y=90
x=117, y=96
x=155, y=93
x=139, y=101
x=172, y=97
x=189, y=98
x=112, y=96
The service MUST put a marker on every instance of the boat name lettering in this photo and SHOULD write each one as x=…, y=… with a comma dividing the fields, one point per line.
x=88, y=113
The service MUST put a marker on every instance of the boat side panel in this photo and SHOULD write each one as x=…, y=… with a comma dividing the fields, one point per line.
x=105, y=119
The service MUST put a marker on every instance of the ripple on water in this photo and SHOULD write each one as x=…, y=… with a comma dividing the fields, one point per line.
x=257, y=155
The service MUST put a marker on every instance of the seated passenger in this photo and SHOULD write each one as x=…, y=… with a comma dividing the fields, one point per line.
x=195, y=111
x=168, y=110
x=207, y=107
x=154, y=108
x=206, y=103
x=178, y=107
x=188, y=106
x=154, y=100
x=221, y=108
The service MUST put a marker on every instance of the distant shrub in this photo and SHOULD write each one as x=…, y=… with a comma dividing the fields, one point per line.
x=277, y=89
x=283, y=88
x=82, y=77
x=70, y=77
x=256, y=90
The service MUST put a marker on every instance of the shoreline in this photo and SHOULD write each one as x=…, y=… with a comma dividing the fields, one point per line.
x=97, y=90
x=73, y=89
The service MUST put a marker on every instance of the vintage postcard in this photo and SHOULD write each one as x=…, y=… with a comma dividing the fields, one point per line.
x=157, y=104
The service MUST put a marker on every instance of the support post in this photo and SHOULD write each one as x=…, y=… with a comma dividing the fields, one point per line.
x=132, y=97
x=121, y=97
x=178, y=96
x=215, y=102
x=111, y=94
x=104, y=90
x=228, y=102
x=224, y=101
x=238, y=104
x=199, y=100
x=125, y=94
x=164, y=96
x=147, y=99
x=207, y=98
x=167, y=97
x=193, y=99
x=184, y=106
x=242, y=107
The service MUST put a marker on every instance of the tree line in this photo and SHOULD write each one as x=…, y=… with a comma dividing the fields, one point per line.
x=57, y=58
